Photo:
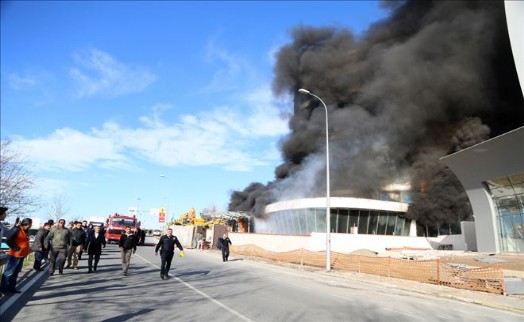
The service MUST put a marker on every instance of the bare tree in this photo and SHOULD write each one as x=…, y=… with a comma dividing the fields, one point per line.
x=58, y=209
x=16, y=182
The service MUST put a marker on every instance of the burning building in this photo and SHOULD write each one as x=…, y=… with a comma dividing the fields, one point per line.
x=433, y=78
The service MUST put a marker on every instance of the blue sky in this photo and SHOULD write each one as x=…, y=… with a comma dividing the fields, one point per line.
x=151, y=104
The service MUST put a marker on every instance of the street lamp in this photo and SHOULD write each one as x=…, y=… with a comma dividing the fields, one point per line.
x=166, y=201
x=328, y=206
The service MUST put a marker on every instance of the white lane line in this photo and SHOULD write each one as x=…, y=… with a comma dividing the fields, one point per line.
x=12, y=299
x=232, y=311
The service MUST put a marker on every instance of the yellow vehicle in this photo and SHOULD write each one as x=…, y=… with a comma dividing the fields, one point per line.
x=189, y=218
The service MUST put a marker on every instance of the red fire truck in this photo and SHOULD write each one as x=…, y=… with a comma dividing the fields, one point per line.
x=116, y=224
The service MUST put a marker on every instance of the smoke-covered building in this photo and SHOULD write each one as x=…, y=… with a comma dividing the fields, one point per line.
x=348, y=215
x=432, y=79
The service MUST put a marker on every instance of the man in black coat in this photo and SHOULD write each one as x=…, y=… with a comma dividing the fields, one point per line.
x=223, y=245
x=78, y=238
x=39, y=246
x=127, y=245
x=95, y=241
x=166, y=244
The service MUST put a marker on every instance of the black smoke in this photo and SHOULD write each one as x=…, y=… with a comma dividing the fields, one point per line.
x=433, y=78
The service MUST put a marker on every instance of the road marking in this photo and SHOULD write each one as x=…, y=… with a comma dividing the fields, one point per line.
x=8, y=301
x=232, y=311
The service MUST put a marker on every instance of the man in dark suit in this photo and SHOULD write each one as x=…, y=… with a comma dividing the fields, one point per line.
x=94, y=243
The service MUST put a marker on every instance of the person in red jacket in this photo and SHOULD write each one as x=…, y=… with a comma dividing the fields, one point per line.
x=18, y=242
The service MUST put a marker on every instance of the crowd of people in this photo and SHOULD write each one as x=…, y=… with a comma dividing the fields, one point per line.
x=62, y=247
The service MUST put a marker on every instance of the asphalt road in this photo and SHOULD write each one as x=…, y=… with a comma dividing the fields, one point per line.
x=203, y=288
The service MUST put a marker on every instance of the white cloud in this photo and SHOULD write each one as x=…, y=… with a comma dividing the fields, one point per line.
x=269, y=117
x=68, y=149
x=99, y=73
x=19, y=82
x=232, y=70
x=233, y=139
x=50, y=186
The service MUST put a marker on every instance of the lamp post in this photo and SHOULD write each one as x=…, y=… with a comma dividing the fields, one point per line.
x=166, y=203
x=328, y=206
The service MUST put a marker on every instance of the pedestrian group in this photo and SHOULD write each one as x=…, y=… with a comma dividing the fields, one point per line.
x=63, y=247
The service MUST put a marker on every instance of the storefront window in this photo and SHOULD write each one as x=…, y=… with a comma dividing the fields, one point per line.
x=508, y=196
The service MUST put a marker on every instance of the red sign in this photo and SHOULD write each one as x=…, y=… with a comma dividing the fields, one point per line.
x=162, y=216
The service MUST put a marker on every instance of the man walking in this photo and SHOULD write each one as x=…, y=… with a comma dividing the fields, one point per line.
x=39, y=246
x=223, y=245
x=57, y=241
x=127, y=244
x=78, y=238
x=93, y=245
x=18, y=242
x=166, y=244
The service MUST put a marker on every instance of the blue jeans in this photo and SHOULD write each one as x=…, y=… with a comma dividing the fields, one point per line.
x=38, y=260
x=13, y=267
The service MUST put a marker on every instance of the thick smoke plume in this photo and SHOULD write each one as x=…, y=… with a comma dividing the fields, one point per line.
x=433, y=78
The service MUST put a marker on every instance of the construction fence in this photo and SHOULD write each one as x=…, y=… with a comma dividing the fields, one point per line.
x=486, y=279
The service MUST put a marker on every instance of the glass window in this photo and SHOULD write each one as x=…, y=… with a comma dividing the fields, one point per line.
x=363, y=222
x=516, y=178
x=373, y=222
x=399, y=227
x=519, y=188
x=382, y=223
x=511, y=235
x=281, y=222
x=311, y=220
x=301, y=221
x=508, y=194
x=291, y=228
x=507, y=202
x=333, y=221
x=343, y=221
x=407, y=227
x=391, y=223
x=502, y=191
x=353, y=219
x=321, y=219
x=504, y=181
x=296, y=221
x=520, y=199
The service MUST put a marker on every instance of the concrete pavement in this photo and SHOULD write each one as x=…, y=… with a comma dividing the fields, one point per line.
x=108, y=280
x=513, y=303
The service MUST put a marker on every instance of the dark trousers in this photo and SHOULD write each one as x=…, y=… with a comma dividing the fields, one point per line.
x=90, y=261
x=38, y=260
x=57, y=257
x=13, y=267
x=166, y=259
x=225, y=253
